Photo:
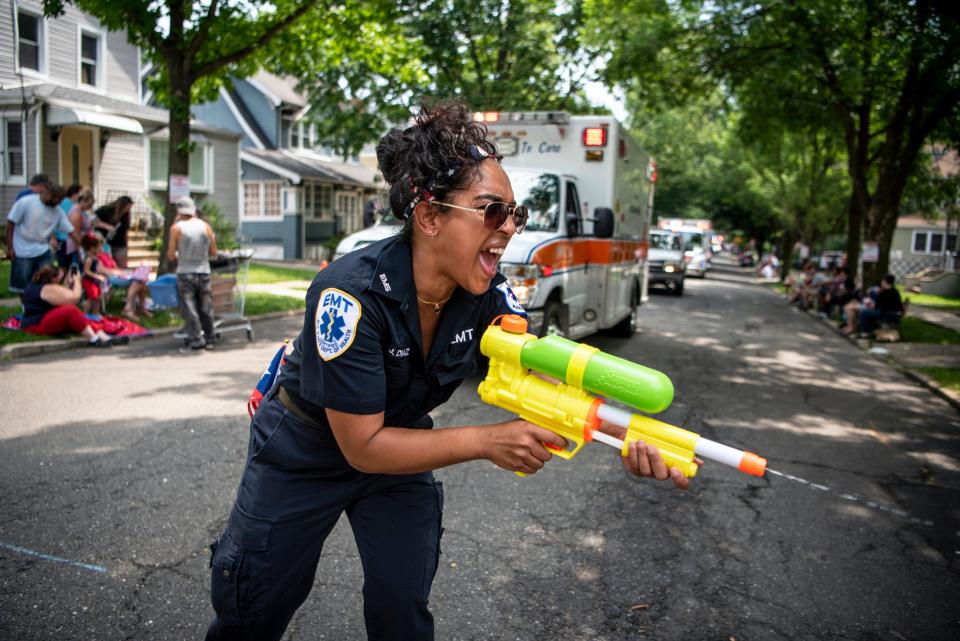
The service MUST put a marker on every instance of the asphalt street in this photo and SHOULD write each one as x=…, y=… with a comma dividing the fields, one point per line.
x=126, y=461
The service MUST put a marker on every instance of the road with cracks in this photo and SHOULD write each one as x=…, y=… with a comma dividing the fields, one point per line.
x=119, y=468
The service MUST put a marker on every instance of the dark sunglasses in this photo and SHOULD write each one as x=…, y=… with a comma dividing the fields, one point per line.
x=495, y=214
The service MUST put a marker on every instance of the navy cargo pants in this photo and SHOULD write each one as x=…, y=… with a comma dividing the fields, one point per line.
x=295, y=486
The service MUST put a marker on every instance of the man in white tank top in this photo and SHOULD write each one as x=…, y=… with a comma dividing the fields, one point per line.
x=192, y=243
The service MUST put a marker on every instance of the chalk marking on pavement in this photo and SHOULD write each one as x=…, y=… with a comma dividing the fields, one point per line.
x=57, y=559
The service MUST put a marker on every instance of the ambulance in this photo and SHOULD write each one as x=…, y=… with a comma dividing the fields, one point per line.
x=580, y=265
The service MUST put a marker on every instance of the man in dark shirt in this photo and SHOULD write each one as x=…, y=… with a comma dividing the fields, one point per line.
x=889, y=307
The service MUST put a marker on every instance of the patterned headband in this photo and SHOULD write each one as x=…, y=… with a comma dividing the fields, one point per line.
x=425, y=193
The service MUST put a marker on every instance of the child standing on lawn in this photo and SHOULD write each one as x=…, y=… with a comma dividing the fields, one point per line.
x=93, y=281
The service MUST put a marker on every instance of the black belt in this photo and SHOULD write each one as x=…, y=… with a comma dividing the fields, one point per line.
x=287, y=401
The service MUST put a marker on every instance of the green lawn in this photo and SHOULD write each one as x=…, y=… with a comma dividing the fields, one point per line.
x=914, y=330
x=948, y=377
x=777, y=287
x=930, y=300
x=260, y=273
x=7, y=336
x=5, y=279
x=260, y=303
x=256, y=304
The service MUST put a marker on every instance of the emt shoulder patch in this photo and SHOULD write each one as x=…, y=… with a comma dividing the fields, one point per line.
x=511, y=298
x=338, y=314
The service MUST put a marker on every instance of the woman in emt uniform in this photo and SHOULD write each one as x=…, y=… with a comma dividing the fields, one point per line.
x=389, y=333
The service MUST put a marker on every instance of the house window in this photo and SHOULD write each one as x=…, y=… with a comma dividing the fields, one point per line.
x=14, y=153
x=261, y=199
x=199, y=165
x=29, y=41
x=252, y=206
x=271, y=199
x=89, y=59
x=323, y=201
x=296, y=130
x=311, y=135
x=932, y=242
x=308, y=200
x=286, y=124
x=936, y=243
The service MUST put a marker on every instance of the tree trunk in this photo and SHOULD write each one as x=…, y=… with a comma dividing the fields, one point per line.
x=881, y=224
x=790, y=238
x=178, y=151
x=854, y=237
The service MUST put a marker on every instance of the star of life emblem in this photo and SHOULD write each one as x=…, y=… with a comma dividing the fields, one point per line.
x=338, y=314
x=511, y=298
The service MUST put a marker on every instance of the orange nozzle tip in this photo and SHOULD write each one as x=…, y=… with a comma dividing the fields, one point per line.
x=514, y=324
x=753, y=464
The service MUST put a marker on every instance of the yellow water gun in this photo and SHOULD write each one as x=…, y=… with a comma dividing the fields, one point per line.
x=568, y=408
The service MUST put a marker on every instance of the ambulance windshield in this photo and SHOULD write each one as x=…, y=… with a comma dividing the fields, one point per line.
x=541, y=194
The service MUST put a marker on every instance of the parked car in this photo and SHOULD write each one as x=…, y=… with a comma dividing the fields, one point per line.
x=666, y=260
x=387, y=226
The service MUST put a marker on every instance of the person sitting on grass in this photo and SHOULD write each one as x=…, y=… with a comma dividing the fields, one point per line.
x=94, y=281
x=133, y=280
x=50, y=308
x=889, y=306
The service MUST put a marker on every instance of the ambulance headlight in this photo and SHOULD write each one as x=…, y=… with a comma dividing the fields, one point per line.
x=523, y=279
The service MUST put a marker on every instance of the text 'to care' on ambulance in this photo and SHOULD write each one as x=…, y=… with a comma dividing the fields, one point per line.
x=580, y=264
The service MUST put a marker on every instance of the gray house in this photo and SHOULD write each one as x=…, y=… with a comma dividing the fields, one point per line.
x=71, y=107
x=296, y=195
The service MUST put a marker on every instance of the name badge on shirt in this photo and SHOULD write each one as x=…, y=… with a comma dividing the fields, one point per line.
x=338, y=314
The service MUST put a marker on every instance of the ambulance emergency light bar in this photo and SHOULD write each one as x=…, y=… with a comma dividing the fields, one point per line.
x=523, y=117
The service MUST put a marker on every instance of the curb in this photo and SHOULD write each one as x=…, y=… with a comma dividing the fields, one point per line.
x=23, y=350
x=916, y=376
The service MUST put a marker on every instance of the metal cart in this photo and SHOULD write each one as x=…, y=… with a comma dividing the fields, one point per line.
x=229, y=273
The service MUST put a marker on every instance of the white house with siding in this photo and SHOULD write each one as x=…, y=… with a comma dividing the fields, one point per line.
x=71, y=107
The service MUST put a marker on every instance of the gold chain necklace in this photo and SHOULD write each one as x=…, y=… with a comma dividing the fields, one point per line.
x=436, y=305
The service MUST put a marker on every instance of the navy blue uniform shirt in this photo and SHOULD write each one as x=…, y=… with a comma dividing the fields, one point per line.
x=360, y=350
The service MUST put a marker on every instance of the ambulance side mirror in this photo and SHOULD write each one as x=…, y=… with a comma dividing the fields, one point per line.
x=603, y=223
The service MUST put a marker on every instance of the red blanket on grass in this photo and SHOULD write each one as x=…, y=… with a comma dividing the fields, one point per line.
x=113, y=325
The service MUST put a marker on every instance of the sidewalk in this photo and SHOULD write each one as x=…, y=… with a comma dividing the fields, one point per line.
x=937, y=315
x=910, y=358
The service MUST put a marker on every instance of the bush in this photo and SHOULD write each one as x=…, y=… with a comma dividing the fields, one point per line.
x=223, y=227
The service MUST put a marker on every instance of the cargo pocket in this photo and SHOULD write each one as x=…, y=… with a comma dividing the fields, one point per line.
x=240, y=562
x=436, y=534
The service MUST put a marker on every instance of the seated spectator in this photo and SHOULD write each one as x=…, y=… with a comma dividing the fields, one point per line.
x=841, y=290
x=94, y=280
x=856, y=306
x=50, y=308
x=889, y=306
x=135, y=282
x=807, y=288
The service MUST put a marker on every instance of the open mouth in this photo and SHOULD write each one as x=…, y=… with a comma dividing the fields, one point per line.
x=489, y=258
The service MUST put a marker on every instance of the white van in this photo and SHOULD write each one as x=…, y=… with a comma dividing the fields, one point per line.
x=580, y=264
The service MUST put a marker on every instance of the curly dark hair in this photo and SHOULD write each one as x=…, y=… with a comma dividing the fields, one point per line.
x=438, y=153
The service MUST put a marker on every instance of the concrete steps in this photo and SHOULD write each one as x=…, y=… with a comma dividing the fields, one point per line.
x=140, y=250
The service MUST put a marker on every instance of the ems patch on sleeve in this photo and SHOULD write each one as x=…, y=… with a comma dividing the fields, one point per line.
x=511, y=298
x=338, y=314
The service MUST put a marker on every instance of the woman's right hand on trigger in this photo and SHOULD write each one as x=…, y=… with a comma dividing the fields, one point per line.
x=518, y=446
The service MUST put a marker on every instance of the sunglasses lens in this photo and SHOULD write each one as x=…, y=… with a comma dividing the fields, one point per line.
x=520, y=215
x=495, y=216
